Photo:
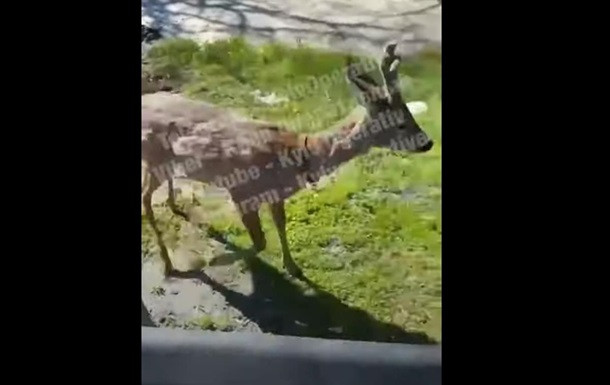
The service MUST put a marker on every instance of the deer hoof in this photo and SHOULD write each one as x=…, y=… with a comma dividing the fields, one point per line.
x=169, y=271
x=294, y=271
x=260, y=246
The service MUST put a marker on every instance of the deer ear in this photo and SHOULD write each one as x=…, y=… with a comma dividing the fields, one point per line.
x=357, y=75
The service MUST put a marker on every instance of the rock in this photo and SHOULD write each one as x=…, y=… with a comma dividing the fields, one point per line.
x=150, y=34
x=155, y=83
x=270, y=99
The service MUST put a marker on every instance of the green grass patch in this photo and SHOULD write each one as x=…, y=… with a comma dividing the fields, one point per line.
x=218, y=323
x=372, y=238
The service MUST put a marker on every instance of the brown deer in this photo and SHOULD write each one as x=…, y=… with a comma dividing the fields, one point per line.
x=259, y=162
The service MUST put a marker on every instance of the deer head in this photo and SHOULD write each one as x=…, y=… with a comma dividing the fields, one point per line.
x=388, y=121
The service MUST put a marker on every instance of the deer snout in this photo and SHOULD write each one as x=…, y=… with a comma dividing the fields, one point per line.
x=426, y=147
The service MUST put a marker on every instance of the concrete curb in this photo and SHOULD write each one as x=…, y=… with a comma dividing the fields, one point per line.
x=180, y=357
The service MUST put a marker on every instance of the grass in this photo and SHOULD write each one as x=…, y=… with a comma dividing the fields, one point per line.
x=219, y=323
x=372, y=238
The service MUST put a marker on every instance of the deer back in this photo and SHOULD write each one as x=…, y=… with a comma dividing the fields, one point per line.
x=212, y=144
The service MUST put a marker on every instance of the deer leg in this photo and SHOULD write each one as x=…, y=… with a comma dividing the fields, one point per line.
x=279, y=218
x=147, y=200
x=253, y=224
x=171, y=200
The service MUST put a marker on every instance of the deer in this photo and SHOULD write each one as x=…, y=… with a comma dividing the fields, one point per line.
x=261, y=162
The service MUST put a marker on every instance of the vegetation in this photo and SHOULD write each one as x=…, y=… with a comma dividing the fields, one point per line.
x=208, y=322
x=372, y=237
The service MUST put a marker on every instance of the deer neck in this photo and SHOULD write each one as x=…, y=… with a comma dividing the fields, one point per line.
x=322, y=145
x=343, y=155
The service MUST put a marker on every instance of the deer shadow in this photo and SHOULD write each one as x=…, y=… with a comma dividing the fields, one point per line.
x=279, y=305
x=146, y=318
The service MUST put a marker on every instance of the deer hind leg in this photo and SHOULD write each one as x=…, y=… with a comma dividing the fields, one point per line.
x=279, y=218
x=171, y=200
x=150, y=216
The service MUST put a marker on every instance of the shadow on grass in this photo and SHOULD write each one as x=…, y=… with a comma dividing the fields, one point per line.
x=279, y=306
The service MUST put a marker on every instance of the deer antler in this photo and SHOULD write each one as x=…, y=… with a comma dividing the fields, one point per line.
x=372, y=92
x=356, y=75
x=389, y=70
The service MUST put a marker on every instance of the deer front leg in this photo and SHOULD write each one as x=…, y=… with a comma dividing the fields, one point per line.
x=279, y=218
x=248, y=208
x=253, y=224
x=147, y=200
x=171, y=200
